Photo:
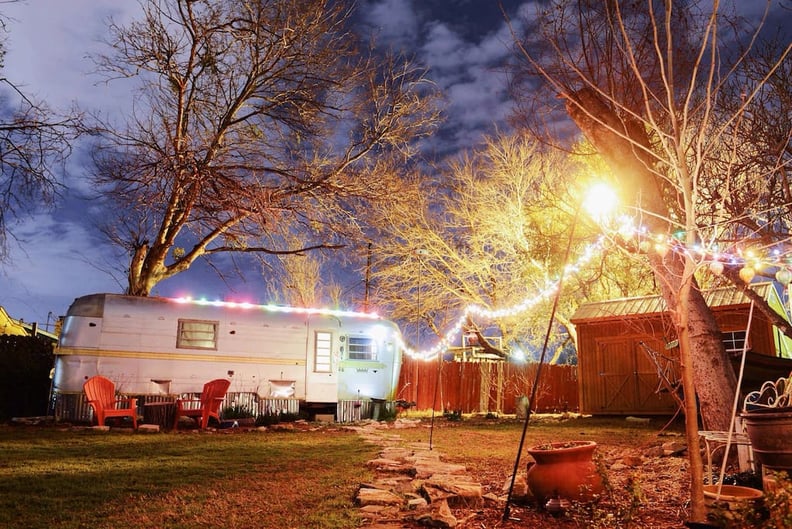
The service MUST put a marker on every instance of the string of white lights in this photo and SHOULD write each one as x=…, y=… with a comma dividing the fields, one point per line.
x=625, y=228
x=446, y=341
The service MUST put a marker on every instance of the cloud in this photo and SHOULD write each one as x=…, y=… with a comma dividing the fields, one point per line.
x=61, y=256
x=473, y=76
x=52, y=263
x=395, y=22
x=49, y=46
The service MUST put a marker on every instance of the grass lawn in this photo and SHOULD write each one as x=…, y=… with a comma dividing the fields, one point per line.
x=308, y=478
x=63, y=479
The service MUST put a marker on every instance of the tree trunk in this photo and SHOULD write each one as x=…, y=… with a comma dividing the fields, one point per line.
x=712, y=374
x=135, y=275
x=142, y=275
x=624, y=148
x=697, y=507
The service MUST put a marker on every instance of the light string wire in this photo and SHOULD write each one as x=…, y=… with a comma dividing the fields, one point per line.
x=447, y=340
x=625, y=229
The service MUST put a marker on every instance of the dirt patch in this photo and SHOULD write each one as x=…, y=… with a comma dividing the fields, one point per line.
x=645, y=468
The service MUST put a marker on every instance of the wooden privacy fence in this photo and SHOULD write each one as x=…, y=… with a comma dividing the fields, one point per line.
x=486, y=386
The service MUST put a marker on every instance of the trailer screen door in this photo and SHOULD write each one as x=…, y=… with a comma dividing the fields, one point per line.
x=322, y=352
x=321, y=382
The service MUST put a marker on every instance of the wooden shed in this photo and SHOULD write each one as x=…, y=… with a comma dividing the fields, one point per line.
x=628, y=354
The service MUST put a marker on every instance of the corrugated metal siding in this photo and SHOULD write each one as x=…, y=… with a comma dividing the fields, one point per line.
x=72, y=408
x=618, y=308
x=357, y=410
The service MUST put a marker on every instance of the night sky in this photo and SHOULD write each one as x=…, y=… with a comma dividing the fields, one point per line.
x=61, y=255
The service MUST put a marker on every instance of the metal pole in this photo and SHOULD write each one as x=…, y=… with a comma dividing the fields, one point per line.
x=531, y=400
x=434, y=400
x=368, y=279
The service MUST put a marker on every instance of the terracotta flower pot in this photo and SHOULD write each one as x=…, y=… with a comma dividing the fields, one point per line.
x=770, y=431
x=564, y=470
x=727, y=503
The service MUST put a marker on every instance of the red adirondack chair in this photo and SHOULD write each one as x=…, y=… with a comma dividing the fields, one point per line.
x=212, y=396
x=100, y=393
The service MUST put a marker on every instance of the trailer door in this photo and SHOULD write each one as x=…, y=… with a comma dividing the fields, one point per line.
x=321, y=383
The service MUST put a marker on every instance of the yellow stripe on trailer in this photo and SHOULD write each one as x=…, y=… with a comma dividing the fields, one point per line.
x=155, y=355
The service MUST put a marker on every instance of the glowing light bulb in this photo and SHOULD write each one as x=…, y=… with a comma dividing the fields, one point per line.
x=599, y=202
x=747, y=273
x=784, y=276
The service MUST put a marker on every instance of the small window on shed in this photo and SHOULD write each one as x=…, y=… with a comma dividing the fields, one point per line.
x=734, y=341
x=361, y=348
x=197, y=334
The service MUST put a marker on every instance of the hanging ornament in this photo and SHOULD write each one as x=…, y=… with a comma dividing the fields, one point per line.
x=716, y=267
x=644, y=246
x=747, y=273
x=783, y=276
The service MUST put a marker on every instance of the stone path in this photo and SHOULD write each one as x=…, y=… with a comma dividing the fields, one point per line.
x=412, y=484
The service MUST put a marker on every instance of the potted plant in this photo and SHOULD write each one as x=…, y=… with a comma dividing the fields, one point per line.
x=767, y=414
x=728, y=505
x=564, y=470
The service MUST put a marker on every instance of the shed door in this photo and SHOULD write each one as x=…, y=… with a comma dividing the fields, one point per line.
x=615, y=368
x=629, y=381
x=655, y=369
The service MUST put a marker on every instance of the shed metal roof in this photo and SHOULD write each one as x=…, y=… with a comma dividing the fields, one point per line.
x=9, y=325
x=614, y=308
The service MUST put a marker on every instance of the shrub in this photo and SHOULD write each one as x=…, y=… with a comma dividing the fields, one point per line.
x=268, y=419
x=236, y=411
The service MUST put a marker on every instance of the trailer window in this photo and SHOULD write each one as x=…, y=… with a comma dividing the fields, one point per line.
x=322, y=352
x=197, y=334
x=361, y=348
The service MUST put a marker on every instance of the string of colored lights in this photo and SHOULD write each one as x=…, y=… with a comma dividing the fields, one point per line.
x=447, y=340
x=750, y=260
x=624, y=228
x=279, y=308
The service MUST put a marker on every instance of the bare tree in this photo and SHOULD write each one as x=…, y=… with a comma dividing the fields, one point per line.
x=643, y=82
x=34, y=143
x=753, y=206
x=305, y=279
x=490, y=230
x=252, y=121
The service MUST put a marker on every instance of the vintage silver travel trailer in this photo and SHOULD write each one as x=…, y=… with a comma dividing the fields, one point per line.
x=277, y=358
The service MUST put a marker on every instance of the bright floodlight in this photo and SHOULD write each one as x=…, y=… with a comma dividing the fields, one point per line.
x=600, y=202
